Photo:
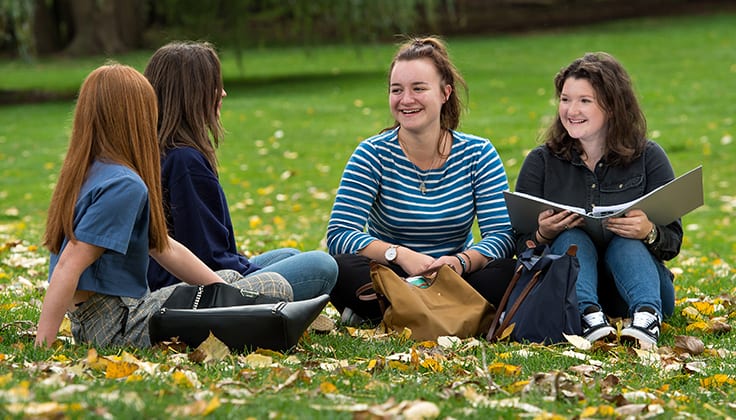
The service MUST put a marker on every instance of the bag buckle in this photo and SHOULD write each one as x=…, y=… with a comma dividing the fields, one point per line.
x=249, y=293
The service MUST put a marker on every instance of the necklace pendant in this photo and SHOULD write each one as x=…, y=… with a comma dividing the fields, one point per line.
x=422, y=188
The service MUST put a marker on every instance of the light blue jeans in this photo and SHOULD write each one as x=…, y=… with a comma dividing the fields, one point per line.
x=639, y=277
x=311, y=273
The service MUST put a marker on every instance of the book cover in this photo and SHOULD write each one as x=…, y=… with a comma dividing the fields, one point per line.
x=663, y=206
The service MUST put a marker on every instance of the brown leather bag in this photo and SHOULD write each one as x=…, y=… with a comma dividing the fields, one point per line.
x=449, y=306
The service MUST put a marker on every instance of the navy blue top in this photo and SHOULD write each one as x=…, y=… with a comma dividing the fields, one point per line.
x=197, y=215
x=112, y=212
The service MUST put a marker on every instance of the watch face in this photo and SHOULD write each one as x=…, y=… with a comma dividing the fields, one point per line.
x=391, y=254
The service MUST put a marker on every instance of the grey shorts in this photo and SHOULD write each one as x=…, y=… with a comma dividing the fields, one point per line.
x=106, y=320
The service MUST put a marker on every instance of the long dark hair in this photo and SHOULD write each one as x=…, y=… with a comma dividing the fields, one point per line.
x=188, y=83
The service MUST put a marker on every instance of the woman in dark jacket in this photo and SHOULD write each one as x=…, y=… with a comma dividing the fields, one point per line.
x=596, y=153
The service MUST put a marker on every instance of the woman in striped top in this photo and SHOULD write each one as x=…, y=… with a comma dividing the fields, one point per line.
x=409, y=196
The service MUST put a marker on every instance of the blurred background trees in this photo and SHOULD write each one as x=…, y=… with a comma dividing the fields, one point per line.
x=32, y=28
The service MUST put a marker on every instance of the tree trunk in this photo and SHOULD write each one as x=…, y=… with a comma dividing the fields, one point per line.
x=46, y=34
x=105, y=26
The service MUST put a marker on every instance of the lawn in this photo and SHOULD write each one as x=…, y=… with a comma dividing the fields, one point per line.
x=293, y=117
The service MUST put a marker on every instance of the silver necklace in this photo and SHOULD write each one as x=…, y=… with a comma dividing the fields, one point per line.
x=422, y=180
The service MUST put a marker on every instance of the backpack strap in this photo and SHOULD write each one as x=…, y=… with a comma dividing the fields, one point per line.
x=494, y=325
x=524, y=293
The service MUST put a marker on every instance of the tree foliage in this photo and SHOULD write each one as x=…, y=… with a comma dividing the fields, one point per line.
x=15, y=26
x=82, y=27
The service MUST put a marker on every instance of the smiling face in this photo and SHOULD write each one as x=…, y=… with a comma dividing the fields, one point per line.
x=580, y=112
x=416, y=94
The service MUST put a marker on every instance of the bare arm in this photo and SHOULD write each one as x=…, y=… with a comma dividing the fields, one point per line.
x=182, y=263
x=75, y=258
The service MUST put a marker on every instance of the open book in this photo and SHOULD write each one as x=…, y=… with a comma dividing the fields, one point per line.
x=663, y=206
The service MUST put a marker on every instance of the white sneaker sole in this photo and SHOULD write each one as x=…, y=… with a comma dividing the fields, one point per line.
x=600, y=333
x=638, y=334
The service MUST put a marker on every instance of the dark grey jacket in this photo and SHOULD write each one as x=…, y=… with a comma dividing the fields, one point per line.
x=551, y=177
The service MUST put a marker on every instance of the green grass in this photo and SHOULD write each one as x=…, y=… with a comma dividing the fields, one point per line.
x=293, y=119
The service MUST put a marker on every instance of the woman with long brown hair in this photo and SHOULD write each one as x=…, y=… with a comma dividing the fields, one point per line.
x=187, y=78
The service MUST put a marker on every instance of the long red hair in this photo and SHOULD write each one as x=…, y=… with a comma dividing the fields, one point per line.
x=115, y=121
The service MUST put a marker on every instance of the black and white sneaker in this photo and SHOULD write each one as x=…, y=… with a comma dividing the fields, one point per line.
x=596, y=326
x=644, y=326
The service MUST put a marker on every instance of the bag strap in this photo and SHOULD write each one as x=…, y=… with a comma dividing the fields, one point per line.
x=492, y=331
x=512, y=311
x=361, y=294
x=496, y=329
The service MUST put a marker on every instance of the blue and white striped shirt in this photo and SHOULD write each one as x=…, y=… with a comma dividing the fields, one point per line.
x=379, y=191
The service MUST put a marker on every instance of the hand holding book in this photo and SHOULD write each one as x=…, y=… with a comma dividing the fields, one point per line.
x=661, y=206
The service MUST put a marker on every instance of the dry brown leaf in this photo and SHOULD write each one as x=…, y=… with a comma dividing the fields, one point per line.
x=506, y=332
x=418, y=410
x=448, y=341
x=639, y=410
x=556, y=385
x=578, y=341
x=610, y=381
x=719, y=325
x=694, y=367
x=689, y=344
x=35, y=410
x=413, y=410
x=585, y=370
x=117, y=370
x=211, y=350
x=255, y=360
x=199, y=408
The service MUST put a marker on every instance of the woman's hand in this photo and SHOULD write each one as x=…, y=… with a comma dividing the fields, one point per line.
x=414, y=263
x=450, y=260
x=634, y=225
x=552, y=224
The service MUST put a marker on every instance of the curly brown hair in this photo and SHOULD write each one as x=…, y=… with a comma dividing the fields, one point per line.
x=626, y=124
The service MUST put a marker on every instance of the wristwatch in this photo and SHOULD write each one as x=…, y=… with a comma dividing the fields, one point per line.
x=652, y=236
x=391, y=253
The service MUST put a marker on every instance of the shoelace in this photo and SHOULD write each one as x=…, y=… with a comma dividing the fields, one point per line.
x=595, y=318
x=644, y=319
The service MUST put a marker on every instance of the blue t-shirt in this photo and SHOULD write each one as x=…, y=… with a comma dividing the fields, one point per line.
x=112, y=212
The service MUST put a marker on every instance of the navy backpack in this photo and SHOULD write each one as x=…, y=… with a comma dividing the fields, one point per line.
x=540, y=303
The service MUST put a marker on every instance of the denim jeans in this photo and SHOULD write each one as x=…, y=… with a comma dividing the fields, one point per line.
x=641, y=279
x=311, y=273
